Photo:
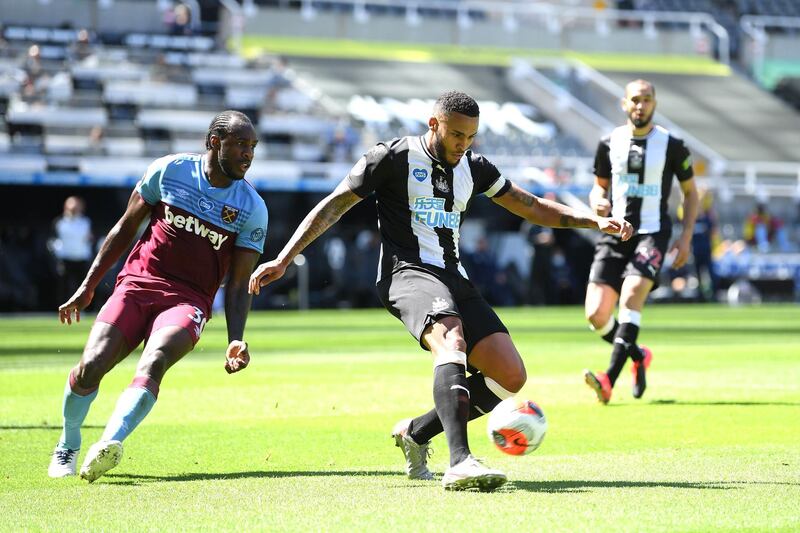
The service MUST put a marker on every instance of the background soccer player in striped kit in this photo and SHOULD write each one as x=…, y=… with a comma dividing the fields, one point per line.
x=634, y=170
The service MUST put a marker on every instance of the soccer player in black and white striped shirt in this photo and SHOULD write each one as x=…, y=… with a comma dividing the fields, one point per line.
x=423, y=185
x=634, y=170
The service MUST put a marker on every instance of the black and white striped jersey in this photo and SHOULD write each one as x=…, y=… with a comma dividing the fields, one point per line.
x=421, y=200
x=641, y=171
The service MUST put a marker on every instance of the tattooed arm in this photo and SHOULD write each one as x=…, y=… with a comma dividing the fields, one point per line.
x=555, y=215
x=323, y=216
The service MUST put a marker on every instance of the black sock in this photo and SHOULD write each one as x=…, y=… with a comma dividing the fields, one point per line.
x=451, y=398
x=624, y=345
x=481, y=401
x=636, y=353
x=609, y=337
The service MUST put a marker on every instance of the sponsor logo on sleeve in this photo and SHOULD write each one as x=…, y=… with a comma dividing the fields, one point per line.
x=257, y=235
x=420, y=174
x=205, y=205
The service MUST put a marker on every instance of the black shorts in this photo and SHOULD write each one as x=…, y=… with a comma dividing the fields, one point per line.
x=640, y=255
x=419, y=296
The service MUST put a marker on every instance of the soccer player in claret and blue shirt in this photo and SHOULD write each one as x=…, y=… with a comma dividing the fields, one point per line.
x=423, y=185
x=205, y=222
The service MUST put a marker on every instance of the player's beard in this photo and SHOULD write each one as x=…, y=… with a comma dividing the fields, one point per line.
x=642, y=122
x=227, y=170
x=438, y=149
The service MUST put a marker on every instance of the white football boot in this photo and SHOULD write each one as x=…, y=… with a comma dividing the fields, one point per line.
x=416, y=454
x=472, y=474
x=63, y=463
x=101, y=457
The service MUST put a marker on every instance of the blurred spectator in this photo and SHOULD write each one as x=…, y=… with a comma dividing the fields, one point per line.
x=72, y=246
x=703, y=242
x=36, y=79
x=17, y=290
x=765, y=231
x=341, y=143
x=542, y=289
x=361, y=271
x=179, y=20
x=280, y=79
x=159, y=71
x=5, y=50
x=96, y=145
x=482, y=269
x=335, y=253
x=82, y=47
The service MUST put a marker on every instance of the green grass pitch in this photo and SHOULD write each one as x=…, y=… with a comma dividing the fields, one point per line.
x=300, y=440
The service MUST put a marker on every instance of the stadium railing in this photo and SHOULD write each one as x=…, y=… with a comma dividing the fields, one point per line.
x=519, y=25
x=771, y=43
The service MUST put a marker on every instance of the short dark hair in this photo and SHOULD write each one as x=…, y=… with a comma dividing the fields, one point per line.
x=456, y=102
x=221, y=125
x=641, y=81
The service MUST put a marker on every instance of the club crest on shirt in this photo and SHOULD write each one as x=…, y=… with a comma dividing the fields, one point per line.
x=420, y=174
x=439, y=304
x=229, y=214
x=635, y=157
x=205, y=205
x=441, y=185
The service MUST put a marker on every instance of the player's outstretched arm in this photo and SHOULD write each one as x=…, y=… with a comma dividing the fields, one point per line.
x=555, y=215
x=115, y=244
x=237, y=306
x=598, y=197
x=682, y=247
x=323, y=216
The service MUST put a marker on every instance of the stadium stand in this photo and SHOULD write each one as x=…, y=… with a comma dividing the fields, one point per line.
x=91, y=108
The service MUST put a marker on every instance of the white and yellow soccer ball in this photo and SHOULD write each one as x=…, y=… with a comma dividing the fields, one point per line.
x=517, y=426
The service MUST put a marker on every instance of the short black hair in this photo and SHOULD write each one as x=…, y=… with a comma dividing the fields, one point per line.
x=641, y=81
x=456, y=102
x=221, y=125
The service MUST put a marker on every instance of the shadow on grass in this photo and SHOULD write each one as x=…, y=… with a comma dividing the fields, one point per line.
x=44, y=426
x=71, y=351
x=134, y=479
x=725, y=403
x=586, y=486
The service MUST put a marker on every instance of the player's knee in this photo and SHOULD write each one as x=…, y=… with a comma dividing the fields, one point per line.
x=597, y=317
x=513, y=377
x=94, y=364
x=89, y=373
x=153, y=365
x=515, y=382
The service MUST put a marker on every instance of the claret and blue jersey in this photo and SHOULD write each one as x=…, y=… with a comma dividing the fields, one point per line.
x=195, y=226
